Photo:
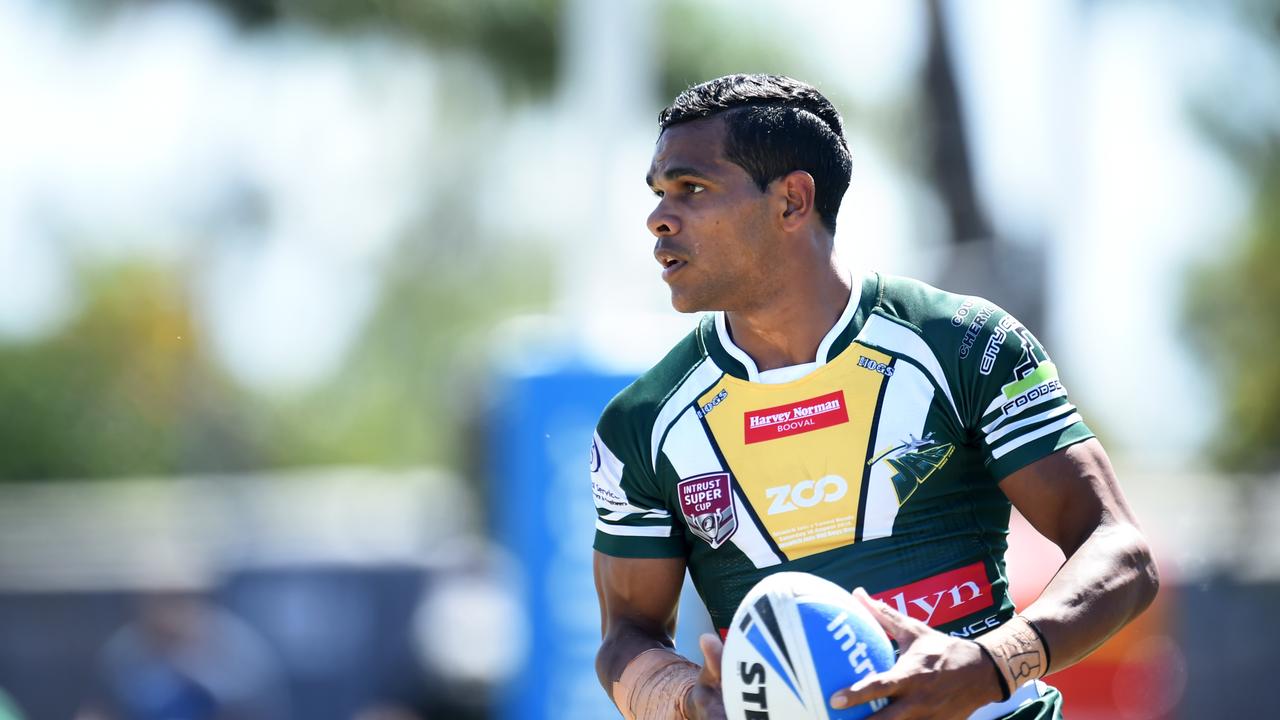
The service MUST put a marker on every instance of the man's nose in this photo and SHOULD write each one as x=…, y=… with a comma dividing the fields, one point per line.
x=662, y=223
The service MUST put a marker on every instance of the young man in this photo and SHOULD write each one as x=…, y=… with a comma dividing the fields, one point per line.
x=869, y=429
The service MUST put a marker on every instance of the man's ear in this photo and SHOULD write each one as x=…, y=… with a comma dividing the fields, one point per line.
x=797, y=190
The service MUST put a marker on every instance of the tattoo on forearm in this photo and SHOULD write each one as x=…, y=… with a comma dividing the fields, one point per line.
x=1024, y=666
x=1019, y=652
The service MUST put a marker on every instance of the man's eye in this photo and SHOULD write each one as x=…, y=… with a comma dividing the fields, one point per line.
x=694, y=187
x=658, y=193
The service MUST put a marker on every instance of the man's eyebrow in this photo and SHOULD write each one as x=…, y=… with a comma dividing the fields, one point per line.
x=674, y=172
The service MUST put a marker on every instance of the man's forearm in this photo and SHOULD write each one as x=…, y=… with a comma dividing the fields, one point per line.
x=644, y=675
x=1108, y=580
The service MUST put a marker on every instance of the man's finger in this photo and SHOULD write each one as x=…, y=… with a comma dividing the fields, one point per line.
x=712, y=650
x=898, y=626
x=880, y=685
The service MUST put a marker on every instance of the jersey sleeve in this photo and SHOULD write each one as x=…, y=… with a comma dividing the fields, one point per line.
x=632, y=519
x=1018, y=407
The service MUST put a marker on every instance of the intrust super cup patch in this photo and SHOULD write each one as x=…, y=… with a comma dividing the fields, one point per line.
x=707, y=504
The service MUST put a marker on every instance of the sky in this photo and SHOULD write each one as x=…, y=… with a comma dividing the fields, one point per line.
x=284, y=166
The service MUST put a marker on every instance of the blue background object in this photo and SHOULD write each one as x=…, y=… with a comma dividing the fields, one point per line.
x=541, y=508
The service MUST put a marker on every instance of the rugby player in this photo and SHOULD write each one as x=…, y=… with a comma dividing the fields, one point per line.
x=870, y=429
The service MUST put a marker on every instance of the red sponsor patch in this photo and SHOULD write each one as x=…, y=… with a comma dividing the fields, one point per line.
x=795, y=418
x=944, y=597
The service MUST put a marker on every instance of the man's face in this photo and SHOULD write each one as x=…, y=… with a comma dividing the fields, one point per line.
x=715, y=238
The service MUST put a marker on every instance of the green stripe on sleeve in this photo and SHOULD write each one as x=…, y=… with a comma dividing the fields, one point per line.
x=1046, y=371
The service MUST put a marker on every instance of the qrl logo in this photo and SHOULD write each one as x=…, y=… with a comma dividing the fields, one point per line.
x=806, y=494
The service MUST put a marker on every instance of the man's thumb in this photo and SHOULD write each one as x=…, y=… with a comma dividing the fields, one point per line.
x=898, y=626
x=712, y=650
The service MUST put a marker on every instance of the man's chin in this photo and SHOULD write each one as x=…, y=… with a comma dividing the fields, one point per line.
x=686, y=304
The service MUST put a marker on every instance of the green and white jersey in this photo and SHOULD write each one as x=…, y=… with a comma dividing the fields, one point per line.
x=878, y=467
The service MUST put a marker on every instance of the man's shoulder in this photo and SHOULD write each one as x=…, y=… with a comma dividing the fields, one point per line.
x=923, y=306
x=639, y=403
x=949, y=324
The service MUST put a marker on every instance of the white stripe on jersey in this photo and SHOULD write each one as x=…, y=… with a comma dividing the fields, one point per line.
x=824, y=347
x=688, y=448
x=1002, y=400
x=1012, y=445
x=651, y=515
x=698, y=380
x=634, y=530
x=906, y=405
x=735, y=352
x=606, y=486
x=888, y=335
x=690, y=452
x=1046, y=415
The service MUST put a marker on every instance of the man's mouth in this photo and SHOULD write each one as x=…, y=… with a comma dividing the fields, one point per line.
x=670, y=262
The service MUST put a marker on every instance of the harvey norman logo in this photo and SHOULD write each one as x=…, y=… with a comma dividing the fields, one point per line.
x=795, y=418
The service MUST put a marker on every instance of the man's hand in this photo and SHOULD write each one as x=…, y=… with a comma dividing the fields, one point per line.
x=706, y=702
x=937, y=676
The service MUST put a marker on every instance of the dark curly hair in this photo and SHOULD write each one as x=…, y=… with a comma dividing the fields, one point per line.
x=774, y=125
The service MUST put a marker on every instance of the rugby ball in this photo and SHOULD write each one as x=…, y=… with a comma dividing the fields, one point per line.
x=795, y=640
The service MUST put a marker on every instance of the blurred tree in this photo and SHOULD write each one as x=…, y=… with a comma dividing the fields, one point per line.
x=518, y=38
x=413, y=377
x=123, y=389
x=127, y=388
x=694, y=43
x=1234, y=319
x=1233, y=303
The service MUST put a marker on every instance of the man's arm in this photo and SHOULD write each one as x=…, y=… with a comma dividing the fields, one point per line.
x=638, y=602
x=1109, y=576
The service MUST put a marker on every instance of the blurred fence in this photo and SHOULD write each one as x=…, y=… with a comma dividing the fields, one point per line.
x=318, y=594
x=363, y=594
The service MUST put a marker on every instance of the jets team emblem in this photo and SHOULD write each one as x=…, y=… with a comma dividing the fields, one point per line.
x=707, y=504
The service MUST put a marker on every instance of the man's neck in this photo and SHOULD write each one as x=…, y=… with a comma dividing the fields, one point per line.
x=789, y=329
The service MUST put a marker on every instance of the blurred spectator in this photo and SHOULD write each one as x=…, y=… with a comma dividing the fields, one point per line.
x=186, y=659
x=386, y=712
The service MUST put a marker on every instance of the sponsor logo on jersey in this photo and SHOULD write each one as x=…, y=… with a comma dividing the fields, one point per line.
x=882, y=368
x=805, y=494
x=971, y=333
x=913, y=461
x=706, y=501
x=1030, y=396
x=608, y=497
x=1026, y=364
x=962, y=312
x=977, y=627
x=595, y=456
x=804, y=416
x=944, y=597
x=712, y=403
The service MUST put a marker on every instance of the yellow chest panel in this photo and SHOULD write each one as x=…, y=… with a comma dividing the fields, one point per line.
x=799, y=450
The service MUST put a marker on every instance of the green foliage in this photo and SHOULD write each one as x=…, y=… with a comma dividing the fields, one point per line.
x=1234, y=318
x=412, y=382
x=696, y=44
x=1232, y=310
x=127, y=388
x=518, y=38
x=122, y=389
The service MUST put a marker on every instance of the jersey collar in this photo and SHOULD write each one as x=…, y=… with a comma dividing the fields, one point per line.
x=730, y=358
